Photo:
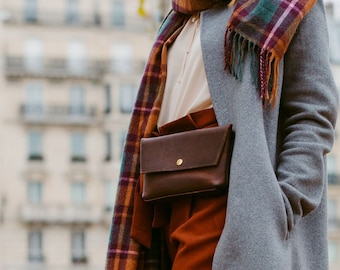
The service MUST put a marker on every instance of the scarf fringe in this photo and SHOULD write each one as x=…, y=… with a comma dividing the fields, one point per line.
x=264, y=66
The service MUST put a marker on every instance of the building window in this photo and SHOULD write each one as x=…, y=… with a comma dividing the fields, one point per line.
x=34, y=100
x=72, y=11
x=127, y=94
x=160, y=9
x=34, y=55
x=123, y=135
x=333, y=251
x=35, y=253
x=30, y=11
x=78, y=193
x=76, y=57
x=35, y=145
x=34, y=192
x=334, y=35
x=96, y=13
x=332, y=169
x=108, y=142
x=331, y=213
x=118, y=13
x=78, y=147
x=122, y=57
x=77, y=102
x=108, y=98
x=110, y=194
x=78, y=247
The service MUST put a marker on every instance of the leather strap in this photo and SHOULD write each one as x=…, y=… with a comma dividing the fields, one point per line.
x=201, y=119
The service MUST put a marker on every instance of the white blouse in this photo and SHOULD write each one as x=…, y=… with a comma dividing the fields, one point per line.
x=186, y=88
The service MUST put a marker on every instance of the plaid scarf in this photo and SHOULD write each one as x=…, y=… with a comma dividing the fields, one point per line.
x=261, y=28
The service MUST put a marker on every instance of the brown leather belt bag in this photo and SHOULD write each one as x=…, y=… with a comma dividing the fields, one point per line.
x=188, y=163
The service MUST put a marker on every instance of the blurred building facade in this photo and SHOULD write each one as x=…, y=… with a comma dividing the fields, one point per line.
x=69, y=74
x=333, y=16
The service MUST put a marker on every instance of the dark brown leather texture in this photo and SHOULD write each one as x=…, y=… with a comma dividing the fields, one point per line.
x=188, y=163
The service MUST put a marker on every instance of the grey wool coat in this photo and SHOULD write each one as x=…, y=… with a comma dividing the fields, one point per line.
x=276, y=213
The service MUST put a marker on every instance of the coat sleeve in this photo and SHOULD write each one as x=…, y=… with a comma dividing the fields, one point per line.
x=308, y=112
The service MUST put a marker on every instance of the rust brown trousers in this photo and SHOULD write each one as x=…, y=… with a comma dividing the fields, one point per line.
x=192, y=225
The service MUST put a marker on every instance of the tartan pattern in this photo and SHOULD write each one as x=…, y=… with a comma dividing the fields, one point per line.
x=123, y=252
x=269, y=24
x=265, y=28
x=262, y=28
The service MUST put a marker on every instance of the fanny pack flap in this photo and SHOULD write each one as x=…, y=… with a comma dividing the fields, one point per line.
x=182, y=151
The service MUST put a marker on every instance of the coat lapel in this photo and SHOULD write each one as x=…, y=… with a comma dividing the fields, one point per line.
x=217, y=76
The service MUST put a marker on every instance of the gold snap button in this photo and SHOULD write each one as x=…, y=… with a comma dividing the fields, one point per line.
x=179, y=162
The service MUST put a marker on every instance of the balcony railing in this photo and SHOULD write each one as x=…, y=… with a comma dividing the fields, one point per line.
x=35, y=157
x=56, y=114
x=89, y=19
x=63, y=68
x=78, y=158
x=56, y=68
x=61, y=214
